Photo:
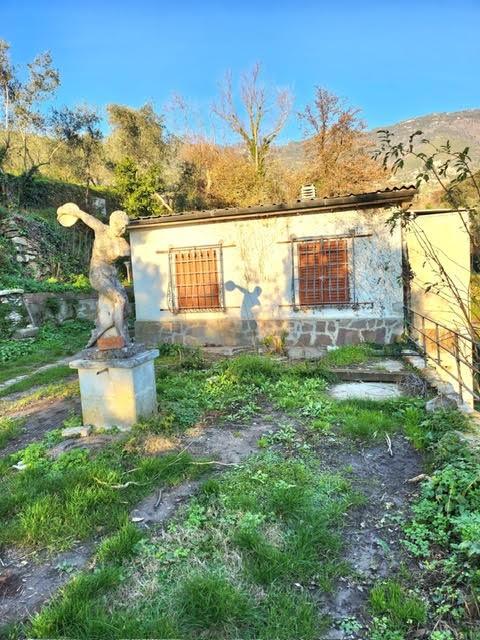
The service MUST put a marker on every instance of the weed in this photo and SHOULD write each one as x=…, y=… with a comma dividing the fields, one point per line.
x=57, y=391
x=52, y=342
x=276, y=343
x=209, y=602
x=365, y=419
x=52, y=503
x=9, y=429
x=181, y=356
x=251, y=369
x=75, y=608
x=120, y=545
x=350, y=626
x=225, y=567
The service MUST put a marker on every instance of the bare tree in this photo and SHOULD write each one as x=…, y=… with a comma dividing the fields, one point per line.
x=337, y=148
x=259, y=120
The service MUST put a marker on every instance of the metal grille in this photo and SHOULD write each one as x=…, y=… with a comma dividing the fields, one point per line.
x=323, y=272
x=197, y=278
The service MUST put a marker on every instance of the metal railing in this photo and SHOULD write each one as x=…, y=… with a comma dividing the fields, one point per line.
x=435, y=340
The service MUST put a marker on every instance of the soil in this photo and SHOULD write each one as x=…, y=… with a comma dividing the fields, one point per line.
x=373, y=531
x=40, y=417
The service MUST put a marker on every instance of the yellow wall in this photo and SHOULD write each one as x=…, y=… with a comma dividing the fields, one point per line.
x=438, y=248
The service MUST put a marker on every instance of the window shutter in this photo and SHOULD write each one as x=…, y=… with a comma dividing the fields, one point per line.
x=197, y=279
x=323, y=272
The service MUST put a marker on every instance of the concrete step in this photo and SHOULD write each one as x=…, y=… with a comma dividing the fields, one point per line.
x=369, y=375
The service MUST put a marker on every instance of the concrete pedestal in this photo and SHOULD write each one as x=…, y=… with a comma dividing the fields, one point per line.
x=117, y=392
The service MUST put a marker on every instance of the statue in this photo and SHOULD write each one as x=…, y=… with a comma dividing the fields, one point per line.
x=111, y=330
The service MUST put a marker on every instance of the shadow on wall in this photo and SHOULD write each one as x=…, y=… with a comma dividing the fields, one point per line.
x=250, y=300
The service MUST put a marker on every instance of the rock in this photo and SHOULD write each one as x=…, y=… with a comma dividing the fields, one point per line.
x=10, y=292
x=20, y=240
x=25, y=332
x=81, y=432
x=441, y=402
x=20, y=466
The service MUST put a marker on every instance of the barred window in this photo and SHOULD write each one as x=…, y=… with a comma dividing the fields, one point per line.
x=196, y=279
x=323, y=272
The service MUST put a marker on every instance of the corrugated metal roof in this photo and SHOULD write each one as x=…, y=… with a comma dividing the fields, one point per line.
x=372, y=198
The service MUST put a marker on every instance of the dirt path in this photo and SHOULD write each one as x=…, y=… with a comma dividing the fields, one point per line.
x=40, y=417
x=373, y=531
x=27, y=581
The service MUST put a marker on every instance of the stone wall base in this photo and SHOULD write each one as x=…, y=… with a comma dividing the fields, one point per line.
x=308, y=332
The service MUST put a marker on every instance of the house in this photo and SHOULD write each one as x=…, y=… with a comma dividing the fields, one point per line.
x=320, y=271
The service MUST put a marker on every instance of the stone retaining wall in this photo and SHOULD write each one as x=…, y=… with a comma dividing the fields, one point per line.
x=61, y=306
x=302, y=332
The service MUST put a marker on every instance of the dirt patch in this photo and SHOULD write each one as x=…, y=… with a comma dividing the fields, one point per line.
x=41, y=416
x=35, y=579
x=226, y=444
x=373, y=530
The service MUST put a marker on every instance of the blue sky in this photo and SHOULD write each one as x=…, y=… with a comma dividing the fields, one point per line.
x=393, y=59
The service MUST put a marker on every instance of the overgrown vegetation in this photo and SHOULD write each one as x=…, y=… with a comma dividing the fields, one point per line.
x=251, y=555
x=445, y=529
x=48, y=377
x=9, y=428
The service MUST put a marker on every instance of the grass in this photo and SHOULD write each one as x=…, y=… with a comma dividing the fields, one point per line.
x=402, y=609
x=240, y=559
x=348, y=355
x=19, y=357
x=367, y=419
x=9, y=429
x=58, y=391
x=54, y=503
x=225, y=567
x=50, y=376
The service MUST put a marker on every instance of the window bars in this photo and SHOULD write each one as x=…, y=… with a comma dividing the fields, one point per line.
x=196, y=279
x=322, y=272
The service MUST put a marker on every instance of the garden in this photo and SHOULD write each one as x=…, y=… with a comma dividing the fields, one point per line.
x=255, y=505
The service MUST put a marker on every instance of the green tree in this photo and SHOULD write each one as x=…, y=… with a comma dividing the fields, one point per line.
x=24, y=120
x=138, y=134
x=140, y=191
x=79, y=129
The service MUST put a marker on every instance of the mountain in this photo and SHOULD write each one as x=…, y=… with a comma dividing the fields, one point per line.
x=462, y=128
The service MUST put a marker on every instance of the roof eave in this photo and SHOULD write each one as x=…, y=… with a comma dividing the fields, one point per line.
x=391, y=197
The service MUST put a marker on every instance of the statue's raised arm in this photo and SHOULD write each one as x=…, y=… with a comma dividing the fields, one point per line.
x=109, y=245
x=69, y=213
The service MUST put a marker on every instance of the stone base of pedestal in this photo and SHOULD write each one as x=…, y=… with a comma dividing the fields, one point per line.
x=117, y=392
